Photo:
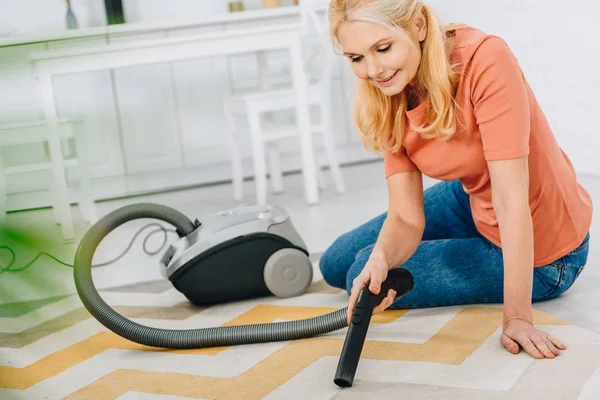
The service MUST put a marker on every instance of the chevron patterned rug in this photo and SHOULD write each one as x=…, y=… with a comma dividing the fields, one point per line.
x=53, y=349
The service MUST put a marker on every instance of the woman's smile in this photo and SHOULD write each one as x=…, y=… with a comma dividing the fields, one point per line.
x=387, y=81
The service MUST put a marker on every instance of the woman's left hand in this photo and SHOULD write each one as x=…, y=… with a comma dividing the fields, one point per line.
x=535, y=342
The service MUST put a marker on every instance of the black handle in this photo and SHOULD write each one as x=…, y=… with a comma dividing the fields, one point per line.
x=398, y=279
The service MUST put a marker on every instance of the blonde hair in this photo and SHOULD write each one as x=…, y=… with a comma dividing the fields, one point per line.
x=381, y=119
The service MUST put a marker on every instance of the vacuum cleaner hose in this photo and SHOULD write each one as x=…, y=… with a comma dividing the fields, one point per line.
x=179, y=339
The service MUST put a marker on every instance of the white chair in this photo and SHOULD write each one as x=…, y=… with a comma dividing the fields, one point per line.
x=36, y=132
x=318, y=63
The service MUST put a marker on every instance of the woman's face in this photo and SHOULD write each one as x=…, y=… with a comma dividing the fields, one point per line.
x=380, y=55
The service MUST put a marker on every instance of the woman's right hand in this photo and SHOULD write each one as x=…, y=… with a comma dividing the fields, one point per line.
x=372, y=276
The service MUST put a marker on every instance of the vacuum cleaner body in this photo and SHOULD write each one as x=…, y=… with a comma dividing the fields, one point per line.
x=237, y=254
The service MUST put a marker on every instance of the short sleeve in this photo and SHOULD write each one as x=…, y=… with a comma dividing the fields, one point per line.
x=397, y=162
x=500, y=100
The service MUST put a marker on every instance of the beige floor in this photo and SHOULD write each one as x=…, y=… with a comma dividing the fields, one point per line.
x=55, y=350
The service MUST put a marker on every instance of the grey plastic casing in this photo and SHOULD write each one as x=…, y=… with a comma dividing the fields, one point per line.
x=227, y=225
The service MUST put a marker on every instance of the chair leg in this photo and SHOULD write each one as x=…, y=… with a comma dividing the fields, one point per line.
x=329, y=145
x=237, y=179
x=258, y=155
x=321, y=178
x=275, y=167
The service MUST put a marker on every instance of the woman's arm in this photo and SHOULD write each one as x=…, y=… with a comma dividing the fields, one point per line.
x=405, y=220
x=398, y=239
x=510, y=197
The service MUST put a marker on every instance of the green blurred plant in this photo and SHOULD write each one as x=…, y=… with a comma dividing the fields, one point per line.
x=29, y=241
x=33, y=258
x=30, y=265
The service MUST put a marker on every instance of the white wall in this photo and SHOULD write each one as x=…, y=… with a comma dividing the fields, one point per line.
x=558, y=46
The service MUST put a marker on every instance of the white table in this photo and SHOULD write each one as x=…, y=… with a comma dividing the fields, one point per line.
x=48, y=64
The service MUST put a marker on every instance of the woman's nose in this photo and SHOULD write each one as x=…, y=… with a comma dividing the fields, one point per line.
x=374, y=70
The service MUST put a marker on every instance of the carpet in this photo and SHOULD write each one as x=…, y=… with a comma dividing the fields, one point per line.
x=53, y=349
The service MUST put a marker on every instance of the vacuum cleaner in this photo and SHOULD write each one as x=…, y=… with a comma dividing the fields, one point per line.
x=241, y=253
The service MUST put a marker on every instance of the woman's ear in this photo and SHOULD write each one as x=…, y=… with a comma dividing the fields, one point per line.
x=421, y=25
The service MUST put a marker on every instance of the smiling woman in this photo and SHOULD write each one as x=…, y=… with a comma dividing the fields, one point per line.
x=382, y=68
x=408, y=50
x=508, y=223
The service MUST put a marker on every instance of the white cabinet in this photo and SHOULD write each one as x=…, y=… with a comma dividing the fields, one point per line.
x=147, y=115
x=200, y=86
x=145, y=101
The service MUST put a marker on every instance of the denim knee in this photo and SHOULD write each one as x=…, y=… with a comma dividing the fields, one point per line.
x=331, y=265
x=353, y=272
x=339, y=257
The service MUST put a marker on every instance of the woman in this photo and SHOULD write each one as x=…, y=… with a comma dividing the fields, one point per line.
x=508, y=223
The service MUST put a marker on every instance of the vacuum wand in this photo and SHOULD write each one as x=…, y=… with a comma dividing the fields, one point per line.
x=399, y=280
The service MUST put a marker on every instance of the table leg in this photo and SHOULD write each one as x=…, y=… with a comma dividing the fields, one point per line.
x=303, y=118
x=56, y=157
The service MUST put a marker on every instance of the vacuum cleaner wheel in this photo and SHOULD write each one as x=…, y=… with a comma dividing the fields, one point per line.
x=288, y=273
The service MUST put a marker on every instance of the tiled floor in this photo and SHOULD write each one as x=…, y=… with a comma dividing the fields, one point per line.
x=319, y=225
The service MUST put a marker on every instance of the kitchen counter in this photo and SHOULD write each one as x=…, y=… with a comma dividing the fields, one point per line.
x=150, y=26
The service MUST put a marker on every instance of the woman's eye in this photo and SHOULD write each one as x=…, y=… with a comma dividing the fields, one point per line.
x=384, y=49
x=356, y=59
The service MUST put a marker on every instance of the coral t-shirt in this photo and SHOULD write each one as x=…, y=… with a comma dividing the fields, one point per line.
x=501, y=119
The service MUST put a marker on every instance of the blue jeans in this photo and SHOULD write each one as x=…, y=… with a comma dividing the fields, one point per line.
x=454, y=264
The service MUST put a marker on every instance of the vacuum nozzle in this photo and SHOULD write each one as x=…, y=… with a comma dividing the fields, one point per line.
x=399, y=280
